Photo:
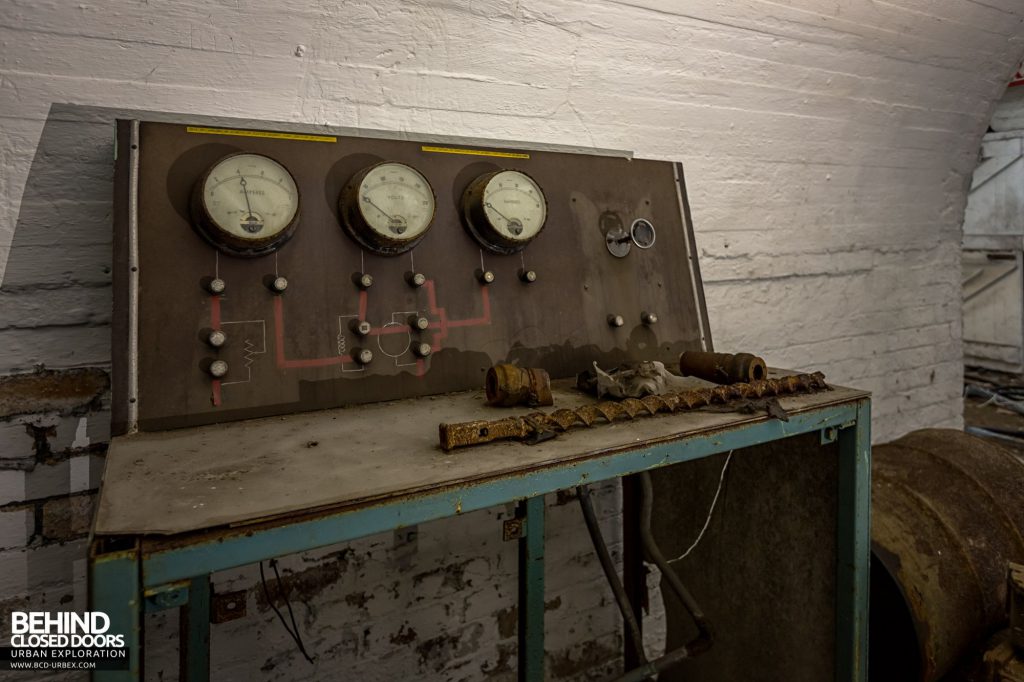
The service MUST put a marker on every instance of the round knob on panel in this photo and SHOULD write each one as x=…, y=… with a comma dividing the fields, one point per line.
x=485, y=276
x=415, y=279
x=616, y=320
x=422, y=349
x=648, y=318
x=278, y=284
x=360, y=327
x=216, y=286
x=363, y=280
x=217, y=338
x=528, y=276
x=420, y=324
x=218, y=368
x=363, y=356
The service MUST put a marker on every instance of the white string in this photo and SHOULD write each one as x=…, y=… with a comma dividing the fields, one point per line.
x=707, y=521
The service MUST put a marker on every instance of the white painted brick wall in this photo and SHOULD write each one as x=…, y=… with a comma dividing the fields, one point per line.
x=827, y=148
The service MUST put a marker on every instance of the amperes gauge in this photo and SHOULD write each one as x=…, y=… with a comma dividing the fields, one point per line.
x=504, y=210
x=246, y=205
x=387, y=208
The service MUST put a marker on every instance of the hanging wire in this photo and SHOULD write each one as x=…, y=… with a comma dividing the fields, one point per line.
x=294, y=629
x=711, y=511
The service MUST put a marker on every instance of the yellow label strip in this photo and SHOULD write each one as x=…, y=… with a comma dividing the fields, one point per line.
x=475, y=152
x=261, y=133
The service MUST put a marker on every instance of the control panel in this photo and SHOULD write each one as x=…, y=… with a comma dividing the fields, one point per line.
x=261, y=273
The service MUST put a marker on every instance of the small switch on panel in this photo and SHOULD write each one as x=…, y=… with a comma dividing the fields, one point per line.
x=415, y=279
x=363, y=280
x=217, y=338
x=363, y=356
x=527, y=276
x=278, y=284
x=484, y=276
x=648, y=318
x=615, y=321
x=217, y=369
x=360, y=327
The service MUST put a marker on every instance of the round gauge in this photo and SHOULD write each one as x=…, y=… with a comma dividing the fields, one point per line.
x=387, y=208
x=246, y=205
x=643, y=234
x=504, y=210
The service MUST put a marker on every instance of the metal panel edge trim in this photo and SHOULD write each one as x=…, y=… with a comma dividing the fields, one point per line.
x=133, y=280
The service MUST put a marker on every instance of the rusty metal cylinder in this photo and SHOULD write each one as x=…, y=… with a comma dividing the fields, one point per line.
x=507, y=385
x=722, y=368
x=947, y=516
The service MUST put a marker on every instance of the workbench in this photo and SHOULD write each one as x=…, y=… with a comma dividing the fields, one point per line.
x=308, y=480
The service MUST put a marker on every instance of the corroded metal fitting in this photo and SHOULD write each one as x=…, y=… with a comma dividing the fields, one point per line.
x=508, y=385
x=539, y=426
x=722, y=368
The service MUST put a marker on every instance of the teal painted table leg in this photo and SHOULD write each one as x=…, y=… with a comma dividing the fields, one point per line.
x=854, y=548
x=115, y=589
x=194, y=643
x=531, y=591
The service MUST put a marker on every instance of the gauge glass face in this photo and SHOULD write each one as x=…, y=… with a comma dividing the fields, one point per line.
x=514, y=205
x=396, y=201
x=251, y=197
x=643, y=233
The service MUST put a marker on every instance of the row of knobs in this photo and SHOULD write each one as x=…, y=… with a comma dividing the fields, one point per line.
x=363, y=280
x=645, y=317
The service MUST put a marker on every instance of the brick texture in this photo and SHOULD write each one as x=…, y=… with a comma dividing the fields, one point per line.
x=827, y=149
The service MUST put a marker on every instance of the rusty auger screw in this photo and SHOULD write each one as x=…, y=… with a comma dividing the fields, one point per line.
x=540, y=425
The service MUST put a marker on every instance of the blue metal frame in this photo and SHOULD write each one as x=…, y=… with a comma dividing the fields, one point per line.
x=159, y=565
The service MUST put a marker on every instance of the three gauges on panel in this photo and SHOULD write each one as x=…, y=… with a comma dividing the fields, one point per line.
x=248, y=205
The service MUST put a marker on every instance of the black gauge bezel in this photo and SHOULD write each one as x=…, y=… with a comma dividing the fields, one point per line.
x=479, y=226
x=358, y=227
x=232, y=245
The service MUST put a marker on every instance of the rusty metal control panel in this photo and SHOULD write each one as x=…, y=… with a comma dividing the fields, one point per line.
x=261, y=273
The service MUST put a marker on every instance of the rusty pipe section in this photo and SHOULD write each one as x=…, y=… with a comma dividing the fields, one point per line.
x=722, y=368
x=946, y=518
x=507, y=385
x=539, y=425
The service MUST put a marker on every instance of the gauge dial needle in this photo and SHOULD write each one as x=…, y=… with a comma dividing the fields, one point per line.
x=367, y=200
x=490, y=206
x=246, y=193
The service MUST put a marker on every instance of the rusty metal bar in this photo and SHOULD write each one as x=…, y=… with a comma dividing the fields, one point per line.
x=541, y=425
x=722, y=368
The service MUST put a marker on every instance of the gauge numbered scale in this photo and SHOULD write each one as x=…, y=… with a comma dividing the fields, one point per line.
x=387, y=208
x=504, y=210
x=246, y=205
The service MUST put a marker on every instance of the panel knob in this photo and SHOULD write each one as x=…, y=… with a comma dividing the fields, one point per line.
x=648, y=318
x=216, y=286
x=217, y=338
x=415, y=279
x=615, y=321
x=363, y=356
x=420, y=324
x=484, y=276
x=217, y=369
x=278, y=284
x=422, y=349
x=363, y=280
x=360, y=327
x=528, y=276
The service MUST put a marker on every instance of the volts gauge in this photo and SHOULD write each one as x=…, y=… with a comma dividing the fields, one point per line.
x=246, y=205
x=504, y=210
x=387, y=208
